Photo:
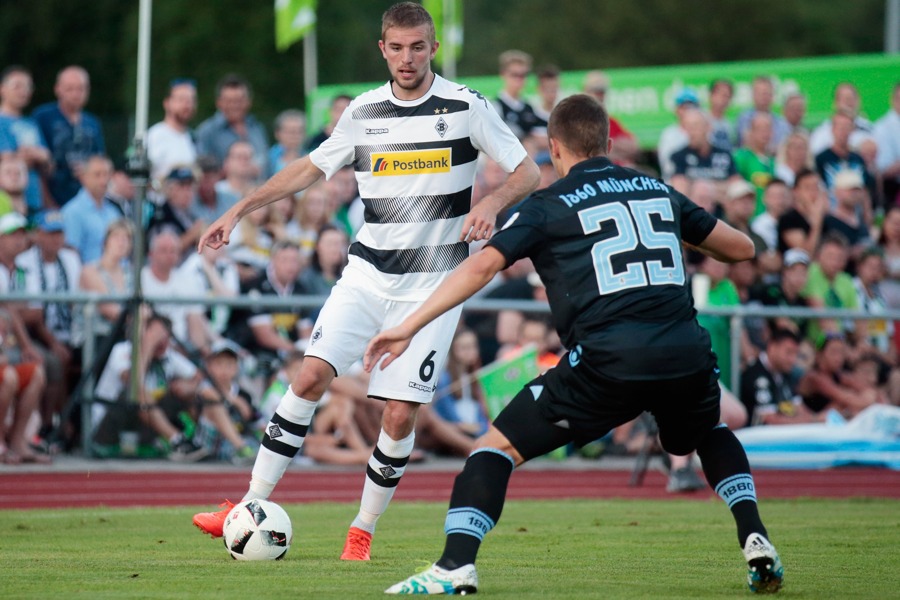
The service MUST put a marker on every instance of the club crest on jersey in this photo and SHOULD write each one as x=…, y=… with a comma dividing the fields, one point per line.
x=411, y=162
x=441, y=126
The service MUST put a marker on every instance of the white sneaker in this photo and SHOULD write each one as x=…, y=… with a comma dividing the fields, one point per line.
x=765, y=574
x=435, y=580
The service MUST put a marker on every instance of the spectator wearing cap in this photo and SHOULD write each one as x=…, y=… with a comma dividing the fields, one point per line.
x=176, y=211
x=754, y=160
x=762, y=94
x=845, y=217
x=674, y=137
x=788, y=290
x=700, y=159
x=740, y=201
x=839, y=157
x=625, y=145
x=49, y=268
x=14, y=241
x=87, y=215
x=721, y=134
x=170, y=142
x=227, y=414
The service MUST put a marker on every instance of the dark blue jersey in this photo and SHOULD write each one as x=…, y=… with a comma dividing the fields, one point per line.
x=606, y=242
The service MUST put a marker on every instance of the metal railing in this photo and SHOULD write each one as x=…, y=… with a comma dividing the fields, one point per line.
x=89, y=303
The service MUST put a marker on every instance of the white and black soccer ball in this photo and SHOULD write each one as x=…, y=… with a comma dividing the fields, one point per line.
x=257, y=530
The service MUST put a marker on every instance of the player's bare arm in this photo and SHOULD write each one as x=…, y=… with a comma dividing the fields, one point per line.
x=296, y=176
x=727, y=244
x=480, y=222
x=473, y=274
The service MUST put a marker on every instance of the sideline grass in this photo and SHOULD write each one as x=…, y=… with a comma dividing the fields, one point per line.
x=574, y=549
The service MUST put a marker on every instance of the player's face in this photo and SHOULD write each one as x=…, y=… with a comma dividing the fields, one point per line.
x=408, y=53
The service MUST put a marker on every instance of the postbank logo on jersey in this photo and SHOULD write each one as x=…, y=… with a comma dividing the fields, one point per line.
x=412, y=162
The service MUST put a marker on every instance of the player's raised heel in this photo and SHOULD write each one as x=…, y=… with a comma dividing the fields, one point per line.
x=213, y=522
x=765, y=575
x=357, y=545
x=435, y=580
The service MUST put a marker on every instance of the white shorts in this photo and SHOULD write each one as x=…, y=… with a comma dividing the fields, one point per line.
x=352, y=316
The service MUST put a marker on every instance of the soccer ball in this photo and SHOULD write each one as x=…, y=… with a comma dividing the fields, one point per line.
x=257, y=530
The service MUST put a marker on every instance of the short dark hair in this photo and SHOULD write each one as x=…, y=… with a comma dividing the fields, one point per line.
x=407, y=15
x=780, y=334
x=233, y=81
x=548, y=72
x=720, y=81
x=12, y=70
x=802, y=174
x=581, y=124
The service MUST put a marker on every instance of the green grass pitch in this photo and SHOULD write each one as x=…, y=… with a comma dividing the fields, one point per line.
x=541, y=549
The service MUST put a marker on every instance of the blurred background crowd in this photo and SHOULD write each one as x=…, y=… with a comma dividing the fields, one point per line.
x=821, y=201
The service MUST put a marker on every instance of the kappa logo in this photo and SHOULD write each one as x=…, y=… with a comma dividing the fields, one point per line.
x=412, y=162
x=387, y=472
x=317, y=335
x=441, y=127
x=274, y=431
x=422, y=388
x=376, y=130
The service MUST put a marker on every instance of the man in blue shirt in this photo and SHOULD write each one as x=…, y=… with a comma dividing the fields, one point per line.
x=72, y=134
x=232, y=122
x=87, y=216
x=19, y=135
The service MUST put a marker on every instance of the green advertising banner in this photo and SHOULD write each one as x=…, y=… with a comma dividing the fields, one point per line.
x=642, y=99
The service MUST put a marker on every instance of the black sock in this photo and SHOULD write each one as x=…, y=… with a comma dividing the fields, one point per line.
x=475, y=506
x=727, y=470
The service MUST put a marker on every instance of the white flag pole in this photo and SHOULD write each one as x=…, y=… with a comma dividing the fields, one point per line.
x=448, y=38
x=310, y=64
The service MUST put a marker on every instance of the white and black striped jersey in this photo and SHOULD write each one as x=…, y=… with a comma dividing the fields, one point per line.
x=415, y=163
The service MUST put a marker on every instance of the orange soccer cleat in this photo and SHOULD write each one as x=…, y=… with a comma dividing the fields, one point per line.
x=357, y=545
x=213, y=522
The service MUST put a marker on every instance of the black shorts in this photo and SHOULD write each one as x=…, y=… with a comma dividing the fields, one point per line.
x=575, y=403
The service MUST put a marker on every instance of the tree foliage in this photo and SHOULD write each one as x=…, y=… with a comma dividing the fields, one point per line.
x=206, y=40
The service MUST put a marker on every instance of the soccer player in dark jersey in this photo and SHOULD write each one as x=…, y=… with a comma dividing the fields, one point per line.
x=607, y=242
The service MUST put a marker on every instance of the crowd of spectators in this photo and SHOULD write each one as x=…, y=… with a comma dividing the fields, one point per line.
x=821, y=201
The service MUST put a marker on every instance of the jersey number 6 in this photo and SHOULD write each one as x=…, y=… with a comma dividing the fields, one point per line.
x=634, y=226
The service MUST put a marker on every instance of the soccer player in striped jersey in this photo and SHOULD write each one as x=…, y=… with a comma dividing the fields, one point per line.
x=413, y=143
x=607, y=243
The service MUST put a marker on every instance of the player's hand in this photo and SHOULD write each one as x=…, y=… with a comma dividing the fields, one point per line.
x=217, y=234
x=391, y=342
x=479, y=223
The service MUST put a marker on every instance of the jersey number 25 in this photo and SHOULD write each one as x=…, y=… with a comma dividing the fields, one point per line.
x=634, y=226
